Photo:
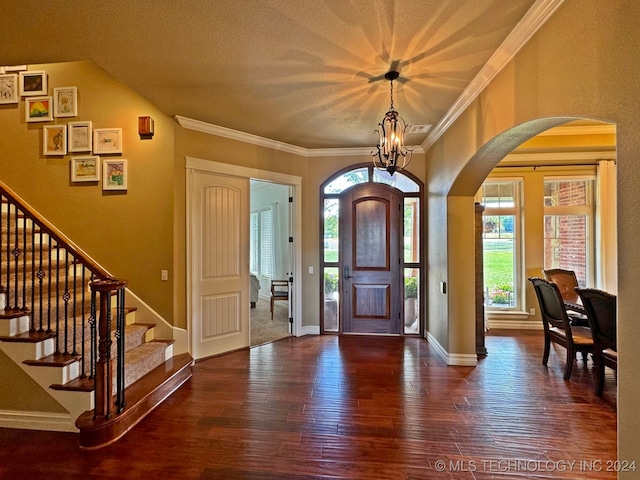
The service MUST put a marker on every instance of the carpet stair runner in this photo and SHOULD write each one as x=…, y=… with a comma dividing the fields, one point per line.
x=152, y=372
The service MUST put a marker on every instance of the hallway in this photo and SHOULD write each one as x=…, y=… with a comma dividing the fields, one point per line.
x=353, y=407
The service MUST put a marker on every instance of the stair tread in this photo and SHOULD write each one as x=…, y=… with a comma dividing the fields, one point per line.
x=54, y=360
x=141, y=398
x=134, y=359
x=29, y=337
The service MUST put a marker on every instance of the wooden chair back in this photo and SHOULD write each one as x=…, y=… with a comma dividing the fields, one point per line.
x=279, y=291
x=552, y=307
x=566, y=281
x=601, y=310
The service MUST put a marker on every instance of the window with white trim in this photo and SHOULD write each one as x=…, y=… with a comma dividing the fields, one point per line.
x=261, y=259
x=568, y=226
x=501, y=222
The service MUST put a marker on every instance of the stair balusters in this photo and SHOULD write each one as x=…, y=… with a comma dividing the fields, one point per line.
x=44, y=274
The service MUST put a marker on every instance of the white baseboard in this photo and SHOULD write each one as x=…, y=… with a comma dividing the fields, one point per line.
x=309, y=330
x=53, y=422
x=514, y=324
x=452, y=359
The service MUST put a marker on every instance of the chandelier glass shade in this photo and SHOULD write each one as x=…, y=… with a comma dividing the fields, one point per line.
x=391, y=154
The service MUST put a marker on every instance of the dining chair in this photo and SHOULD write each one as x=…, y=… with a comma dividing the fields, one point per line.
x=557, y=326
x=567, y=281
x=602, y=315
x=279, y=291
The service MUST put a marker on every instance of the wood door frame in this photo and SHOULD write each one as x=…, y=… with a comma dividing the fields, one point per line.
x=224, y=169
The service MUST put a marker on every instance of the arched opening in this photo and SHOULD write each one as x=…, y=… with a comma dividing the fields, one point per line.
x=336, y=241
x=549, y=189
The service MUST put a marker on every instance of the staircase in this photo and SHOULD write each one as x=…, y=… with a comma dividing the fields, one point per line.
x=65, y=323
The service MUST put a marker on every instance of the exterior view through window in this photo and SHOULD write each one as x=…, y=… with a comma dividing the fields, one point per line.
x=500, y=227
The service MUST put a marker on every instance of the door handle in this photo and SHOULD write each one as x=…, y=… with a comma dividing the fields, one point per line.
x=346, y=272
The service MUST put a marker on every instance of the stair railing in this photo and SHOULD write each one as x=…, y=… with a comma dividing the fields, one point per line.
x=107, y=289
x=45, y=275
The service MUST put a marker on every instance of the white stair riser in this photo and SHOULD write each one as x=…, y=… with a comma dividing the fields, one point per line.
x=19, y=351
x=168, y=353
x=47, y=376
x=14, y=326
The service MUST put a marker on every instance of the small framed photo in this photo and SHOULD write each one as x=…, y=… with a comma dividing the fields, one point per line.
x=114, y=174
x=9, y=88
x=80, y=136
x=65, y=102
x=107, y=140
x=33, y=83
x=38, y=109
x=54, y=139
x=85, y=169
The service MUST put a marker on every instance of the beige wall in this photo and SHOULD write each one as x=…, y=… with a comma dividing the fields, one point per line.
x=21, y=392
x=128, y=233
x=580, y=64
x=313, y=171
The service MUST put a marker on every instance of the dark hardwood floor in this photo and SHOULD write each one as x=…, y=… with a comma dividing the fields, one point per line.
x=353, y=407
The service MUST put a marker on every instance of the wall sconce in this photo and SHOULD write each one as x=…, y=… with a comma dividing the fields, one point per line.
x=145, y=127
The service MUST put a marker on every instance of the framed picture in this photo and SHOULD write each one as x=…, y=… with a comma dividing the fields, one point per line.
x=54, y=139
x=114, y=174
x=65, y=102
x=38, y=109
x=33, y=83
x=85, y=169
x=80, y=136
x=9, y=88
x=107, y=140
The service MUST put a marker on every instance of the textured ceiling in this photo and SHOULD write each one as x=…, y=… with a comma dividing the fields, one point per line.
x=307, y=73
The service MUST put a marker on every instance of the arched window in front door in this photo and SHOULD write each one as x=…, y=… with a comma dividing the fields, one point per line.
x=411, y=266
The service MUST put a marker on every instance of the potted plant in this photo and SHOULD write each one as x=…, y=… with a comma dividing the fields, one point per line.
x=330, y=301
x=410, y=300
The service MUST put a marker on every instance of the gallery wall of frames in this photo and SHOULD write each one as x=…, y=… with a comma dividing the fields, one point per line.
x=94, y=151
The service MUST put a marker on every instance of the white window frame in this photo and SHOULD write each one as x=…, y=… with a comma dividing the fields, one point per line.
x=518, y=240
x=257, y=244
x=586, y=210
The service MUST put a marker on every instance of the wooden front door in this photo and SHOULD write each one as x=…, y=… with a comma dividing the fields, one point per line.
x=371, y=263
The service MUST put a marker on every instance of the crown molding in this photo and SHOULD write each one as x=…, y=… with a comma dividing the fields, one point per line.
x=580, y=130
x=535, y=17
x=531, y=158
x=218, y=131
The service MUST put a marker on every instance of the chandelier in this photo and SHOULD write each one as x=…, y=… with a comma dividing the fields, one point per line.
x=391, y=154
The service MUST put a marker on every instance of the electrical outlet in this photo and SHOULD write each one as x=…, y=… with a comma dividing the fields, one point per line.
x=532, y=311
x=164, y=275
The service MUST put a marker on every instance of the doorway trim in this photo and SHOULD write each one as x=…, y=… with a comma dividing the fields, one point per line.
x=225, y=169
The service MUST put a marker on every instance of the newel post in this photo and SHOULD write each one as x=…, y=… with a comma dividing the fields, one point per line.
x=104, y=366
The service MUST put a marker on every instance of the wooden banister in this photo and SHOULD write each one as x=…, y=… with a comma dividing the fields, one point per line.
x=52, y=287
x=47, y=228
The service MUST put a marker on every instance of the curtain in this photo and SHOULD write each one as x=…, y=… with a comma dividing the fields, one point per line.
x=606, y=227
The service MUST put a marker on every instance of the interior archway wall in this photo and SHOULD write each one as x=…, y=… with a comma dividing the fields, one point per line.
x=580, y=64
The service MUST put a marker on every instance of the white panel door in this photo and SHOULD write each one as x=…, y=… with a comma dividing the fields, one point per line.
x=219, y=264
